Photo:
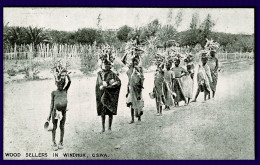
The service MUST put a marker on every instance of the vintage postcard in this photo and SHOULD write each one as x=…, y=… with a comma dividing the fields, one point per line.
x=129, y=83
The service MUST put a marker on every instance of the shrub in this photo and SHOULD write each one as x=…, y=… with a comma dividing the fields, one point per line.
x=89, y=59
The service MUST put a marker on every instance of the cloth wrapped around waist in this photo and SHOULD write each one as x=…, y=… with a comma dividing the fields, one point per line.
x=58, y=115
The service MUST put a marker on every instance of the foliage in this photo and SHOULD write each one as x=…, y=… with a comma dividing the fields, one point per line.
x=35, y=35
x=89, y=58
x=150, y=52
x=206, y=28
x=123, y=32
x=88, y=36
x=194, y=21
x=166, y=36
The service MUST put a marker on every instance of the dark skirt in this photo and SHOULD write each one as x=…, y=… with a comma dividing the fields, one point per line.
x=178, y=90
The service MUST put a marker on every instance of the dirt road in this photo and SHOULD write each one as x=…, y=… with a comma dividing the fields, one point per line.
x=221, y=128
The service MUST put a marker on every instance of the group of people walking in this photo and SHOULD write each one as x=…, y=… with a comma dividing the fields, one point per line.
x=172, y=84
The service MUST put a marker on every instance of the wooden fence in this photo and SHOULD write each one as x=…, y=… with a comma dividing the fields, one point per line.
x=71, y=51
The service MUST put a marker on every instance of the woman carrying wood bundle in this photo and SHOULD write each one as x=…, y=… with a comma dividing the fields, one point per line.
x=187, y=80
x=107, y=88
x=203, y=77
x=135, y=81
x=168, y=84
x=212, y=46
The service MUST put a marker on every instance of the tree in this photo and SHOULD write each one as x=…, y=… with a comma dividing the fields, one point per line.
x=178, y=19
x=111, y=38
x=99, y=19
x=88, y=36
x=169, y=17
x=189, y=38
x=15, y=35
x=194, y=21
x=206, y=28
x=149, y=30
x=123, y=32
x=35, y=35
x=166, y=35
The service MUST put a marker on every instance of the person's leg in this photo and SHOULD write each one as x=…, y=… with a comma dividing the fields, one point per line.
x=196, y=96
x=213, y=94
x=110, y=122
x=55, y=123
x=132, y=116
x=157, y=107
x=208, y=94
x=139, y=118
x=62, y=127
x=160, y=110
x=103, y=117
x=205, y=95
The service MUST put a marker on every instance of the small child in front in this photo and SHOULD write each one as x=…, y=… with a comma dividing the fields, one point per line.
x=58, y=107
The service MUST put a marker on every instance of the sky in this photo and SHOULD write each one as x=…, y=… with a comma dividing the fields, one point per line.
x=228, y=20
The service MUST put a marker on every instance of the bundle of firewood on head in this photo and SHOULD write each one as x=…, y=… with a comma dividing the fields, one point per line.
x=159, y=60
x=188, y=57
x=174, y=55
x=211, y=46
x=106, y=55
x=133, y=53
x=60, y=71
x=204, y=54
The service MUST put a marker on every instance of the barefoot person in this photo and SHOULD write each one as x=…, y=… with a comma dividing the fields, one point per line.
x=158, y=84
x=203, y=78
x=213, y=65
x=168, y=85
x=107, y=89
x=58, y=106
x=187, y=80
x=212, y=47
x=134, y=86
x=178, y=86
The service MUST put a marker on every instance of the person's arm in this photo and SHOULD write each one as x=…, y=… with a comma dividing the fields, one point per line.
x=99, y=82
x=184, y=71
x=115, y=84
x=142, y=77
x=124, y=59
x=69, y=82
x=51, y=106
x=216, y=67
x=208, y=73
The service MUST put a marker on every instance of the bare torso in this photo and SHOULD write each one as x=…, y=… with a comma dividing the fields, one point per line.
x=60, y=100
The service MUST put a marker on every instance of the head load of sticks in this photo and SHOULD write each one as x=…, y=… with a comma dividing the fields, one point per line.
x=204, y=54
x=60, y=71
x=106, y=54
x=133, y=51
x=188, y=57
x=211, y=46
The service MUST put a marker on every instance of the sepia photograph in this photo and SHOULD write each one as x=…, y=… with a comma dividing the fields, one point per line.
x=116, y=83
